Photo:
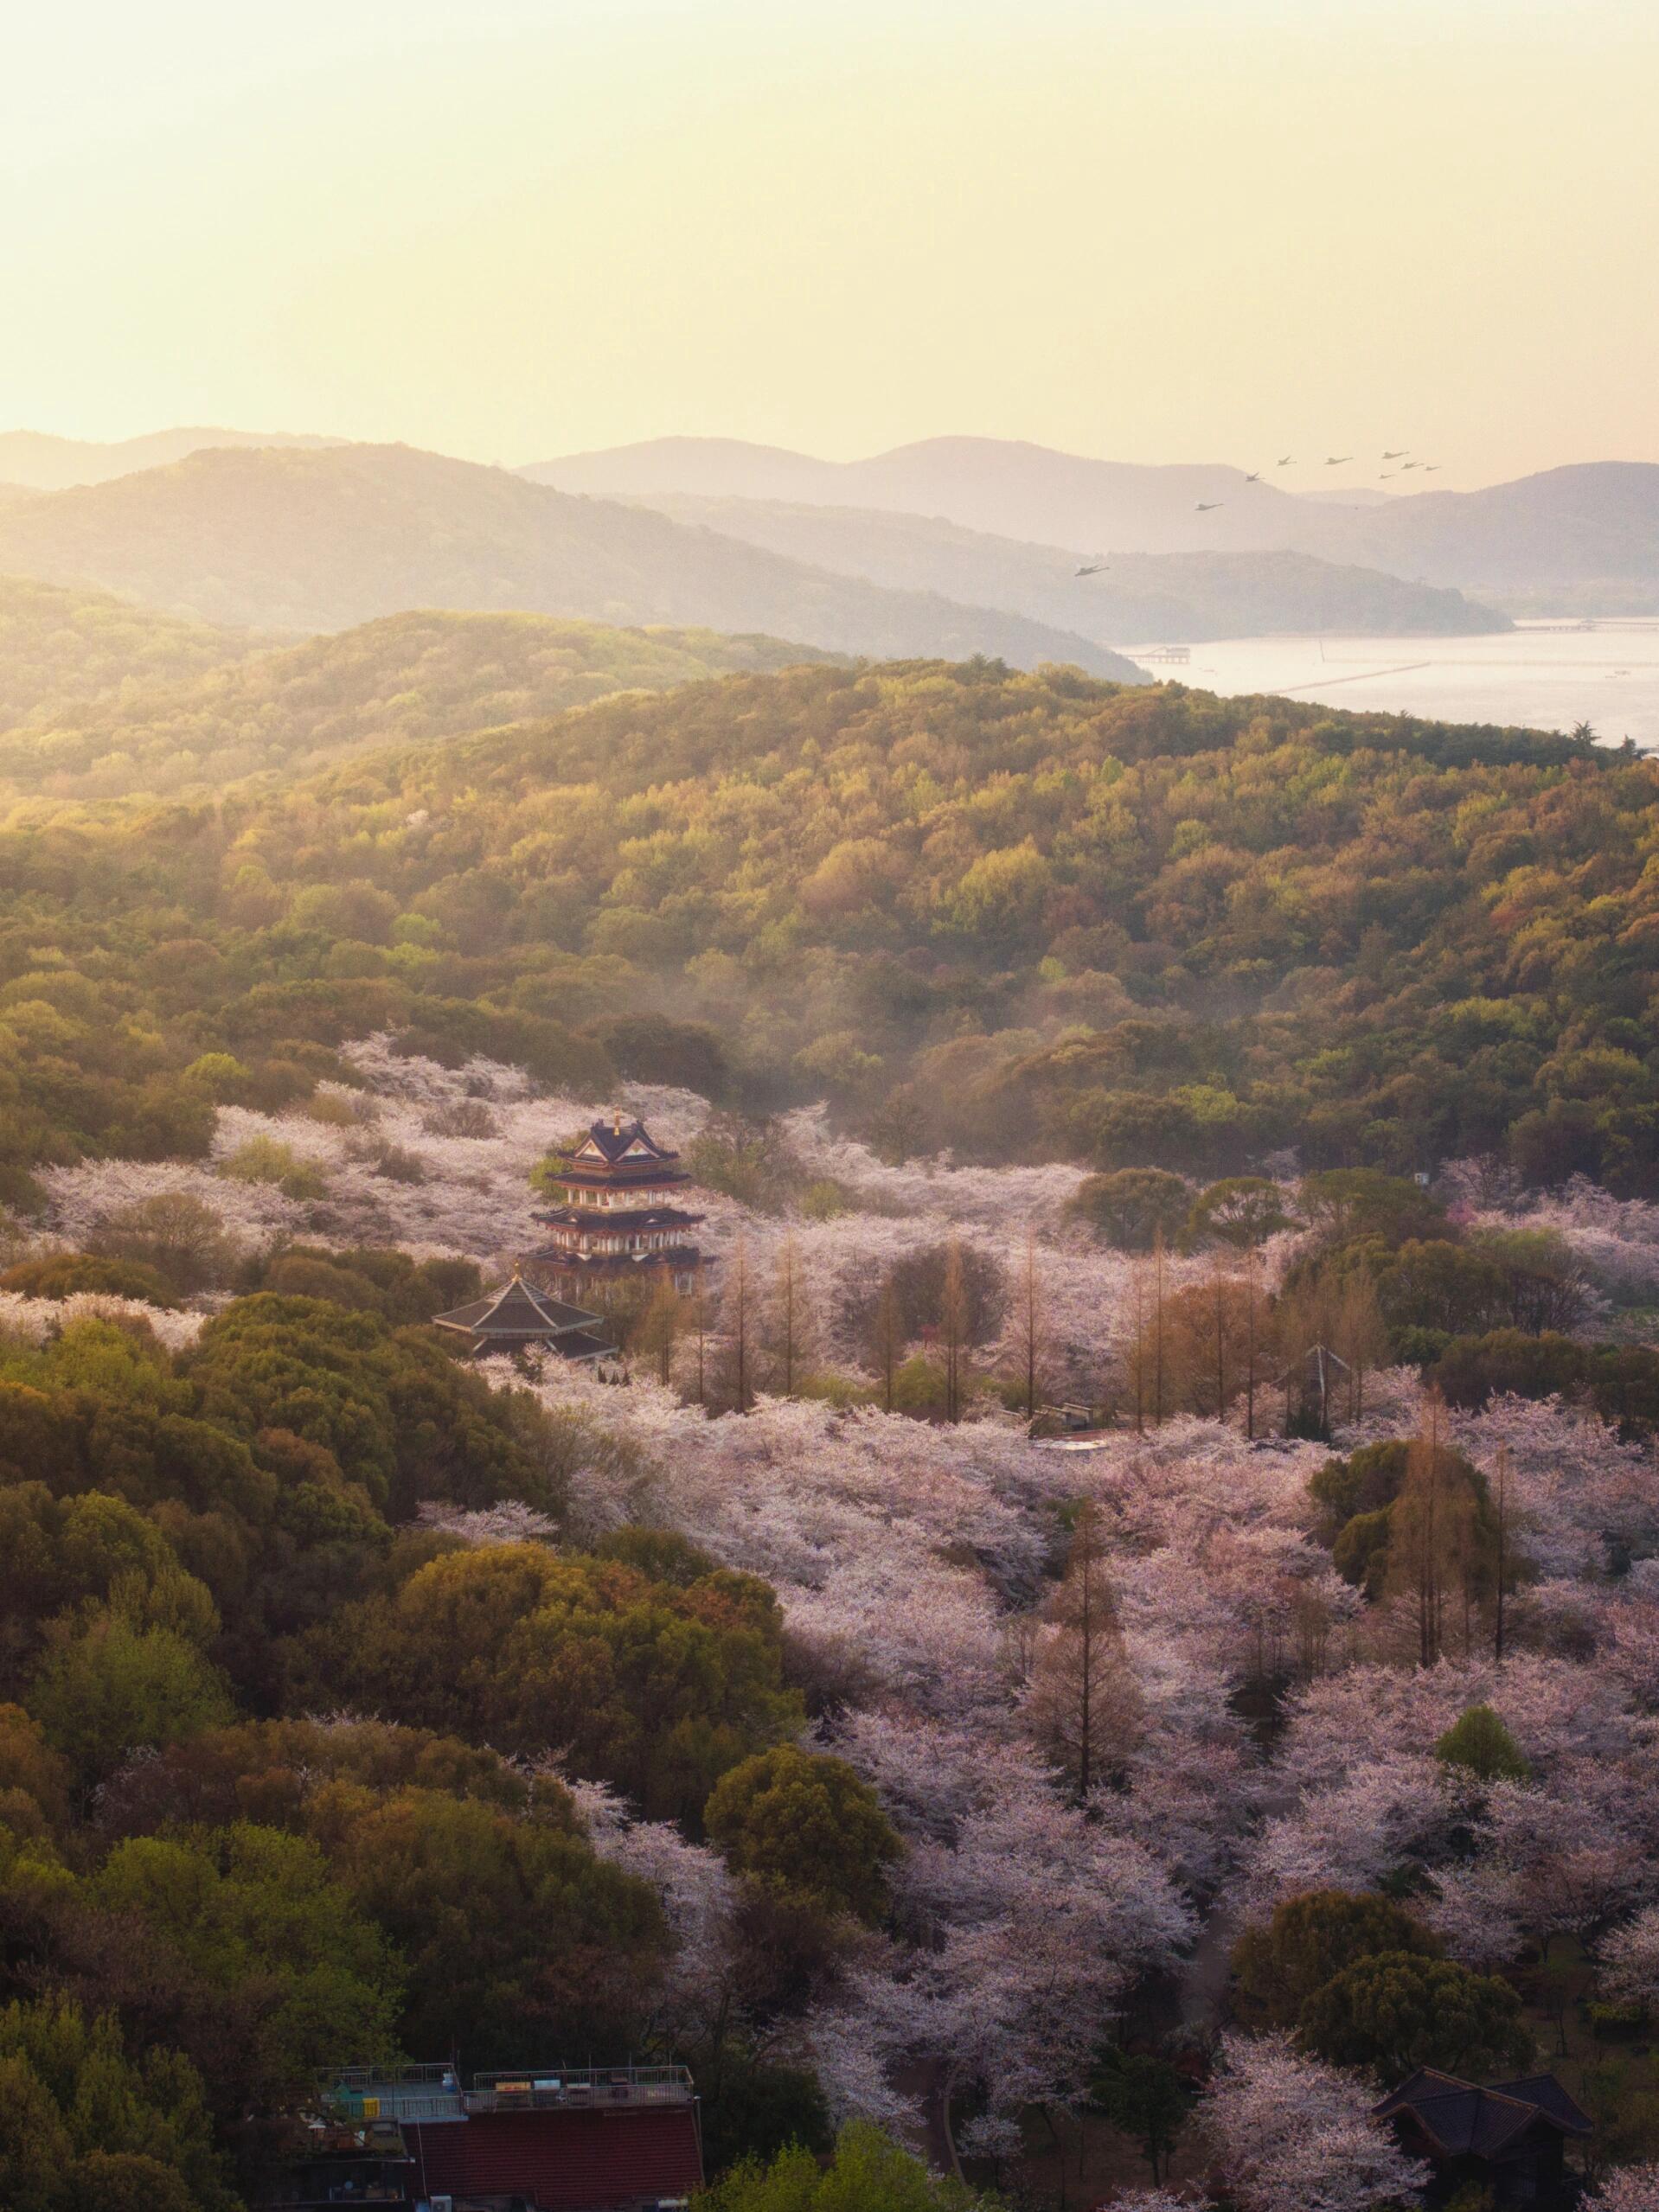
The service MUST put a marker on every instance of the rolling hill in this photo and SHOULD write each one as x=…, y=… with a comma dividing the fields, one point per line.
x=1191, y=597
x=305, y=541
x=39, y=462
x=1596, y=524
x=408, y=679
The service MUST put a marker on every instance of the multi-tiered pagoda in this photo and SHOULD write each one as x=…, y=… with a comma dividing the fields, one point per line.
x=618, y=1229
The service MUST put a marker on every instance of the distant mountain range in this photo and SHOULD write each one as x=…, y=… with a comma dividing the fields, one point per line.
x=1139, y=598
x=1565, y=532
x=1007, y=489
x=1568, y=528
x=303, y=538
x=31, y=460
x=1584, y=538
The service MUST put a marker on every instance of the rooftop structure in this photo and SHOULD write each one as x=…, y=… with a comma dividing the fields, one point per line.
x=519, y=1316
x=1509, y=2138
x=623, y=2139
x=617, y=1224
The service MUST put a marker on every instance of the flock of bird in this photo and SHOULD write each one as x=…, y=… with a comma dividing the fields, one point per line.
x=1288, y=461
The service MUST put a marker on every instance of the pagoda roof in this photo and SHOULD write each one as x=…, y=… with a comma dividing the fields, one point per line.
x=518, y=1310
x=616, y=1142
x=618, y=1218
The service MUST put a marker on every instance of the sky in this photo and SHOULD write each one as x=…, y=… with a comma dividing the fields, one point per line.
x=1148, y=230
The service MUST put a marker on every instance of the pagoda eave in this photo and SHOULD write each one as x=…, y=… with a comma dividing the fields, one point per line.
x=614, y=1222
x=675, y=1258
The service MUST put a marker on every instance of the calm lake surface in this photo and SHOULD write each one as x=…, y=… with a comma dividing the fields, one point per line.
x=1537, y=675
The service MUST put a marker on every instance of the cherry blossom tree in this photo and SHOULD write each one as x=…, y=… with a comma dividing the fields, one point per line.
x=1630, y=1960
x=1628, y=2189
x=1293, y=2135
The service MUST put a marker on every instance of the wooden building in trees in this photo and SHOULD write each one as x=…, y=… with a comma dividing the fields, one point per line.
x=1509, y=2139
x=619, y=1228
x=519, y=1317
x=414, y=2138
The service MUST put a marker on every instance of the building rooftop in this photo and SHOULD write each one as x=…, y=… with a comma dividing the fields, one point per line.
x=1461, y=2120
x=519, y=1314
x=613, y=1140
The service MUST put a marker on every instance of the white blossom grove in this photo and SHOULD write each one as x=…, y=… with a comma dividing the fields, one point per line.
x=910, y=1559
x=1292, y=2135
x=35, y=1319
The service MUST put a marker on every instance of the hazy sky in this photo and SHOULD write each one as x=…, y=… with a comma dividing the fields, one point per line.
x=1146, y=229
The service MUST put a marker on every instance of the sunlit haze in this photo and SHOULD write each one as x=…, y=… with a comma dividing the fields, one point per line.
x=1156, y=232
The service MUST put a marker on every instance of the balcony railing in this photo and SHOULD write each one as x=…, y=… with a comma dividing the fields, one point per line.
x=394, y=2092
x=571, y=2088
x=356, y=2094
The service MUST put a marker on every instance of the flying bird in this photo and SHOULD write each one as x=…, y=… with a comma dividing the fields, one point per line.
x=1254, y=477
x=1400, y=456
x=1388, y=476
x=1335, y=460
x=1429, y=467
x=1091, y=568
x=1208, y=506
x=1413, y=464
x=1287, y=460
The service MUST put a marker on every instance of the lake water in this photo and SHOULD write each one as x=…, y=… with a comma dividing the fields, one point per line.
x=1537, y=675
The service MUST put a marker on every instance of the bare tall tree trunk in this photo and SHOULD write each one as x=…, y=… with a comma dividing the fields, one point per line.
x=1031, y=1327
x=788, y=1313
x=1157, y=1330
x=740, y=1313
x=1503, y=1552
x=953, y=1329
x=1218, y=1321
x=886, y=1338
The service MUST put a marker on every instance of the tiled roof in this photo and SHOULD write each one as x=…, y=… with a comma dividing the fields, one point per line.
x=587, y=1344
x=518, y=1310
x=1551, y=2099
x=617, y=1136
x=618, y=1218
x=1461, y=2118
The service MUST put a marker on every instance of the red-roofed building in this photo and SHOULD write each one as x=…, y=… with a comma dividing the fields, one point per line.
x=610, y=2139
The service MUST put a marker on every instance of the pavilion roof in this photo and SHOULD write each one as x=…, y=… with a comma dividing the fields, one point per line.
x=1461, y=2120
x=518, y=1310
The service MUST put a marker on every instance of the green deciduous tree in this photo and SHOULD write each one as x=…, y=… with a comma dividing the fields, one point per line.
x=1314, y=1936
x=1480, y=1743
x=805, y=1822
x=868, y=2172
x=1396, y=2009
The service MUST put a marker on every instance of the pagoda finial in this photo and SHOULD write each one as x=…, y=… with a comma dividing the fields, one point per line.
x=616, y=1122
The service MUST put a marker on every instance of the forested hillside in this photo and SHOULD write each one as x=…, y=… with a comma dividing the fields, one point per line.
x=1024, y=916
x=66, y=652
x=293, y=539
x=108, y=699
